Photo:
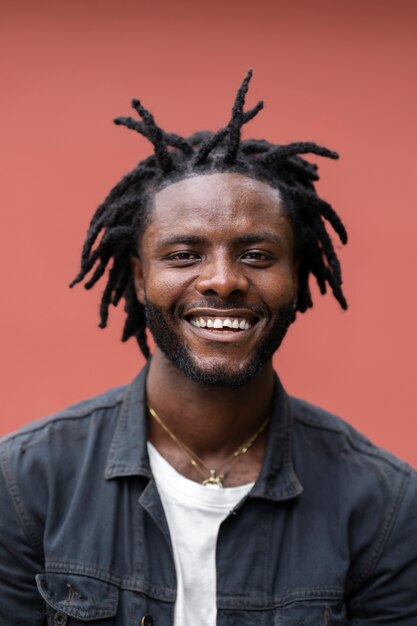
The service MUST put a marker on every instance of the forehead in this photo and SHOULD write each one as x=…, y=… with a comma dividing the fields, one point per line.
x=218, y=202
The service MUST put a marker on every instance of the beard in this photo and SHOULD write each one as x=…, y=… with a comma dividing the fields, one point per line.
x=163, y=324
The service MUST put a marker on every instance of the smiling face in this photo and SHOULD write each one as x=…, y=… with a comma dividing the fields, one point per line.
x=217, y=276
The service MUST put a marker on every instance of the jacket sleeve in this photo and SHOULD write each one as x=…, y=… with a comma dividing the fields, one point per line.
x=20, y=557
x=387, y=593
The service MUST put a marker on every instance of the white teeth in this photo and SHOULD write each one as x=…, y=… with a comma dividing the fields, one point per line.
x=218, y=323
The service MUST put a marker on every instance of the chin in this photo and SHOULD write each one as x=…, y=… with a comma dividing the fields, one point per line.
x=218, y=374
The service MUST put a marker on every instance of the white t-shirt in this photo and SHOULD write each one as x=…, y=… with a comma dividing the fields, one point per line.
x=194, y=514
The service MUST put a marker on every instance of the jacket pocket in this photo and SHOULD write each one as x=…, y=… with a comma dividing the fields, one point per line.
x=313, y=614
x=75, y=600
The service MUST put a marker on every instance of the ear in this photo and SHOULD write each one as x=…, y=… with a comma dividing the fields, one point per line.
x=137, y=270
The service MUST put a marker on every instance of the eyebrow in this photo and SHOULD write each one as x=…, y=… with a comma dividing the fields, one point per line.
x=258, y=237
x=186, y=239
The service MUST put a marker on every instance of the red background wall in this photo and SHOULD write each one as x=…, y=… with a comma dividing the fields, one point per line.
x=335, y=72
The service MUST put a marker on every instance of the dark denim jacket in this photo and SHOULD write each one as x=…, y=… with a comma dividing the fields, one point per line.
x=327, y=536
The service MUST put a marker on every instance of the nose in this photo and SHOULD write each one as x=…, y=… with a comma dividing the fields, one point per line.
x=221, y=277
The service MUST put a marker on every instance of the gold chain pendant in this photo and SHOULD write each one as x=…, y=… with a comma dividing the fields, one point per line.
x=214, y=481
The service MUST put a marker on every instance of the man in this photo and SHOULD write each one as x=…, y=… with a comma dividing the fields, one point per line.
x=202, y=493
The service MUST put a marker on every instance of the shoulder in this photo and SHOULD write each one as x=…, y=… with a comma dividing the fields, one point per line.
x=332, y=459
x=313, y=424
x=51, y=456
x=55, y=446
x=86, y=413
x=371, y=492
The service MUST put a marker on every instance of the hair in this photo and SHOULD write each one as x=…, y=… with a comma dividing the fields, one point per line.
x=118, y=223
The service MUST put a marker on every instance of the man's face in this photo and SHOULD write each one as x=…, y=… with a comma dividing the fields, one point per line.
x=217, y=276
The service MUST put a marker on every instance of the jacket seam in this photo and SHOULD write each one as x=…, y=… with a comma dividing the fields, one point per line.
x=396, y=464
x=274, y=601
x=59, y=417
x=383, y=536
x=83, y=569
x=19, y=507
x=78, y=568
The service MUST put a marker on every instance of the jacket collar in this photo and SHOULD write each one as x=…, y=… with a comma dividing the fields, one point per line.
x=128, y=455
x=277, y=479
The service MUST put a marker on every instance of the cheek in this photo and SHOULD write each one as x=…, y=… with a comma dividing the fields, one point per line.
x=280, y=290
x=163, y=288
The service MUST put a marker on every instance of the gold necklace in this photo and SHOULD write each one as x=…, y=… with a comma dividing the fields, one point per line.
x=214, y=479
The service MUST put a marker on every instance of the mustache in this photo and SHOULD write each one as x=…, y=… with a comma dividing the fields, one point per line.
x=221, y=305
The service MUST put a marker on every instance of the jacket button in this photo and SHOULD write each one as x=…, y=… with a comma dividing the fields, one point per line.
x=147, y=620
x=60, y=619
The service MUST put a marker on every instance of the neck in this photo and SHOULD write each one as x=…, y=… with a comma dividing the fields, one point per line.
x=212, y=421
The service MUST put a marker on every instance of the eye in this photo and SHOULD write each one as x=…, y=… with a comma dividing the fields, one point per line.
x=258, y=258
x=182, y=258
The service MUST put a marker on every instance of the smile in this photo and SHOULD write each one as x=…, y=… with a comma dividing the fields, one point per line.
x=221, y=323
x=232, y=325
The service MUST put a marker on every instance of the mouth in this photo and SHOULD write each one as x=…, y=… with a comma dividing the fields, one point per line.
x=219, y=322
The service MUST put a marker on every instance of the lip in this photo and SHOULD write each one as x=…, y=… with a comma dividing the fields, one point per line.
x=243, y=313
x=222, y=336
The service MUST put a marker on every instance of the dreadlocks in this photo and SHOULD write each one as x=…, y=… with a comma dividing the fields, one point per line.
x=120, y=220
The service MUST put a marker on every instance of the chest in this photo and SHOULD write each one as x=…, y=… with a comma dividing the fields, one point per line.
x=274, y=565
